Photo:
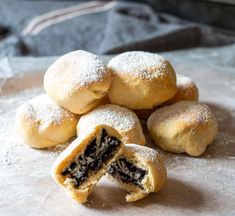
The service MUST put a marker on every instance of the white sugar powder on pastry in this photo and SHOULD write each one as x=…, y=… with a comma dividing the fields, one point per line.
x=141, y=80
x=77, y=81
x=42, y=123
x=185, y=126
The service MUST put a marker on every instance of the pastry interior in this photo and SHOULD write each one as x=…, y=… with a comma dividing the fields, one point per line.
x=85, y=167
x=132, y=174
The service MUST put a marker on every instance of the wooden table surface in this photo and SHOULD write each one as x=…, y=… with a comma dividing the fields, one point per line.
x=196, y=186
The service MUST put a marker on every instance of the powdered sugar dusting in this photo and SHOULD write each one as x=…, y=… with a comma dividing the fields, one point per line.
x=81, y=68
x=148, y=154
x=43, y=109
x=143, y=65
x=120, y=118
x=186, y=111
x=183, y=81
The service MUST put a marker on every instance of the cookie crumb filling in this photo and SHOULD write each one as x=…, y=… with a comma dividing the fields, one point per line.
x=100, y=149
x=127, y=172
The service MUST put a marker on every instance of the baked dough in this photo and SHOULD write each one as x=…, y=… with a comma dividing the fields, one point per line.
x=77, y=81
x=140, y=170
x=122, y=119
x=141, y=80
x=42, y=123
x=186, y=90
x=185, y=126
x=83, y=163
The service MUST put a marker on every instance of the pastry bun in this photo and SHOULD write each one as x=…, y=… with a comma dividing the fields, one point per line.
x=185, y=126
x=42, y=123
x=77, y=81
x=141, y=80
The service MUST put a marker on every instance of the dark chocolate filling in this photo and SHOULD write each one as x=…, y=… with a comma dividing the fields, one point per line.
x=94, y=156
x=127, y=172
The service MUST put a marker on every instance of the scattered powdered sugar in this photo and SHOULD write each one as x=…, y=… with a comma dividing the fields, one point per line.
x=143, y=65
x=79, y=68
x=148, y=154
x=43, y=109
x=187, y=111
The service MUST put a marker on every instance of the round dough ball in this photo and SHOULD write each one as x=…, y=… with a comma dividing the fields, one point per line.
x=120, y=118
x=185, y=126
x=141, y=80
x=77, y=81
x=186, y=90
x=42, y=123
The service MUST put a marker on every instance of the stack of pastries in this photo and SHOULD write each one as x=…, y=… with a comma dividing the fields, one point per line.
x=101, y=105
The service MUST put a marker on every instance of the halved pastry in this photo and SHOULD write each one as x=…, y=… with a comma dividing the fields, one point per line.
x=140, y=170
x=83, y=163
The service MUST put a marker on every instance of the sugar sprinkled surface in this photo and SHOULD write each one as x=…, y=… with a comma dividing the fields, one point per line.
x=80, y=67
x=143, y=65
x=42, y=108
x=113, y=115
x=148, y=154
x=187, y=111
x=184, y=80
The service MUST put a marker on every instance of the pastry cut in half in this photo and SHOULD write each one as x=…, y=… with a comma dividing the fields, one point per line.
x=139, y=170
x=86, y=160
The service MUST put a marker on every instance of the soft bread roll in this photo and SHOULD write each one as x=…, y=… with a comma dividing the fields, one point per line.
x=185, y=126
x=122, y=119
x=140, y=170
x=186, y=90
x=42, y=123
x=77, y=81
x=141, y=80
x=83, y=163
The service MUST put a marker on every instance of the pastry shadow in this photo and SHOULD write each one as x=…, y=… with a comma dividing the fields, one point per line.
x=106, y=197
x=224, y=145
x=176, y=194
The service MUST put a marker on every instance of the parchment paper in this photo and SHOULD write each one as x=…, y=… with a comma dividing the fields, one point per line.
x=196, y=186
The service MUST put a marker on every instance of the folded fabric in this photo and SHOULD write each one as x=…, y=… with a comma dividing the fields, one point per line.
x=47, y=28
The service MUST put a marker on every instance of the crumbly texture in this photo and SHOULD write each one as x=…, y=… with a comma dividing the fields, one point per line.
x=85, y=161
x=122, y=119
x=185, y=126
x=42, y=123
x=77, y=81
x=127, y=172
x=140, y=170
x=97, y=152
x=141, y=80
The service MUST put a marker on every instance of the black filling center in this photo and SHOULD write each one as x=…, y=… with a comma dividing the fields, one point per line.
x=127, y=172
x=95, y=155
